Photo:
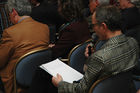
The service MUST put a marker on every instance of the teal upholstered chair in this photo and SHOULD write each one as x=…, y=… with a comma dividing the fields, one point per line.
x=76, y=58
x=27, y=64
x=119, y=83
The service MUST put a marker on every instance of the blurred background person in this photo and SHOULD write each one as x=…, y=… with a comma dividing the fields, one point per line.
x=130, y=15
x=4, y=18
x=94, y=3
x=72, y=33
x=45, y=11
x=92, y=6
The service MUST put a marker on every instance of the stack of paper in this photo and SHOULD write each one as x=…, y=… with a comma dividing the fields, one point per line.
x=57, y=66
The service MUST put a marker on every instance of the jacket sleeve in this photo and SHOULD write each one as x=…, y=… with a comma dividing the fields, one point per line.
x=95, y=65
x=6, y=45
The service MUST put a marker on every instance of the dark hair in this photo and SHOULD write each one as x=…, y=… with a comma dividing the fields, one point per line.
x=110, y=15
x=71, y=9
x=40, y=1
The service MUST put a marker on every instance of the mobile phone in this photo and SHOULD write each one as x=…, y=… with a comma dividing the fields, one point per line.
x=89, y=49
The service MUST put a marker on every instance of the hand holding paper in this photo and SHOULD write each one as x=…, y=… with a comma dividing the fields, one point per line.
x=56, y=80
x=58, y=67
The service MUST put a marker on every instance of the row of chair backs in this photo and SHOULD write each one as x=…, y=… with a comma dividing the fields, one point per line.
x=27, y=64
x=76, y=58
x=119, y=83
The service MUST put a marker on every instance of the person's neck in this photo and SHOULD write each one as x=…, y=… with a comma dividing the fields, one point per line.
x=113, y=34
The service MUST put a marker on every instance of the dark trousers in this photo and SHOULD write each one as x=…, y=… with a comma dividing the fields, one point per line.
x=2, y=90
x=42, y=83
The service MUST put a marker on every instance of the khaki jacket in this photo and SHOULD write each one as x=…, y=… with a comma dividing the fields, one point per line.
x=26, y=36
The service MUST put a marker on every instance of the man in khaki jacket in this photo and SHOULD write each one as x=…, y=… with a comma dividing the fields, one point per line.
x=24, y=36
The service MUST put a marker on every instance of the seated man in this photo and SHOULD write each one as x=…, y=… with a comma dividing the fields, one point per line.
x=24, y=36
x=130, y=15
x=118, y=54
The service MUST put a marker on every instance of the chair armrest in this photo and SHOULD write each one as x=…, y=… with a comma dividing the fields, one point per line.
x=64, y=60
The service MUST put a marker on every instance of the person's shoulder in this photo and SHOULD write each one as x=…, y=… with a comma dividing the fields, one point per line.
x=11, y=28
x=132, y=40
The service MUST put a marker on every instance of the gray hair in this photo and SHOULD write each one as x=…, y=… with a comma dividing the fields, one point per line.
x=110, y=15
x=104, y=1
x=23, y=7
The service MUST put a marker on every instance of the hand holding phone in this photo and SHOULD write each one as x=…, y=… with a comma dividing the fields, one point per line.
x=89, y=48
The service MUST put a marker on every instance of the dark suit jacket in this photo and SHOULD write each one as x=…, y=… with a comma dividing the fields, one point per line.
x=47, y=13
x=17, y=40
x=73, y=33
x=130, y=18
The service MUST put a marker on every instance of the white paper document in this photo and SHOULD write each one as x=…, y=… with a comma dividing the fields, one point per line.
x=57, y=66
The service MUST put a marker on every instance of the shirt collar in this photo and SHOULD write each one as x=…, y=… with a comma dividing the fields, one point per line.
x=23, y=18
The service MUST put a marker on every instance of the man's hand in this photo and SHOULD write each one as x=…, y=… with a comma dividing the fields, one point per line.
x=51, y=45
x=56, y=80
x=138, y=91
x=87, y=51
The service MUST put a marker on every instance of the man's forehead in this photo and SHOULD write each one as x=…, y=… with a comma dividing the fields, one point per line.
x=94, y=17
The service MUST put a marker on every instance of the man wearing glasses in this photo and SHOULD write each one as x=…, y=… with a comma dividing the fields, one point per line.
x=118, y=54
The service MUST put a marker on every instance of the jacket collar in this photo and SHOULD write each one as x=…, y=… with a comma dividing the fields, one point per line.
x=115, y=40
x=24, y=19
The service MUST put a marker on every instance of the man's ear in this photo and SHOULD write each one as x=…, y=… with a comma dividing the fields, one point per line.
x=15, y=14
x=104, y=25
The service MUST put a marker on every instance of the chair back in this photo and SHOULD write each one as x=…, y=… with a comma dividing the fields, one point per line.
x=119, y=83
x=136, y=76
x=76, y=58
x=136, y=80
x=27, y=64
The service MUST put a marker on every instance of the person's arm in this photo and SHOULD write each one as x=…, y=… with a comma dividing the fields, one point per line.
x=95, y=65
x=6, y=45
